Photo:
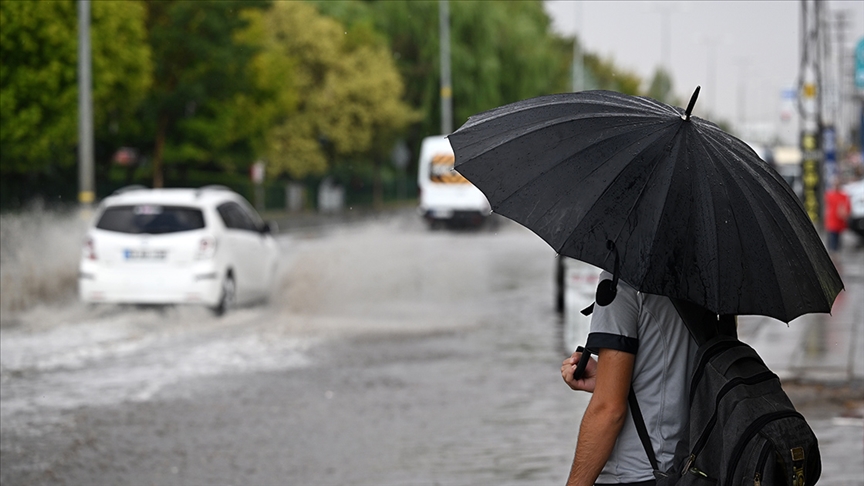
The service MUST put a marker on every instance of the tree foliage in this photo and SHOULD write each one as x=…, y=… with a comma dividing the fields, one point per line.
x=500, y=52
x=201, y=74
x=351, y=103
x=604, y=74
x=39, y=80
x=312, y=87
x=661, y=88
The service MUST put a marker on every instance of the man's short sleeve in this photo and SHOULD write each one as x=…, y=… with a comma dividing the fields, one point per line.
x=616, y=326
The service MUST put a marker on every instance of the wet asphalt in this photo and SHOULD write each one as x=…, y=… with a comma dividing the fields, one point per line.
x=389, y=355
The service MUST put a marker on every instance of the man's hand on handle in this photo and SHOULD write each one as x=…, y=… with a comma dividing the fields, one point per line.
x=588, y=379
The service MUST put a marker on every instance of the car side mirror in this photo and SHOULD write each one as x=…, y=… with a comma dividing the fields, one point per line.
x=269, y=227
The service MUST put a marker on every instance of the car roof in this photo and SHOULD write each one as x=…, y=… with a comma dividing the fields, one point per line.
x=204, y=196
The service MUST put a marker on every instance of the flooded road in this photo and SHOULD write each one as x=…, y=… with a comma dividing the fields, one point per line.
x=389, y=355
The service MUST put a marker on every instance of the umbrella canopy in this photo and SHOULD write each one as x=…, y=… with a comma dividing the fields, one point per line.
x=692, y=211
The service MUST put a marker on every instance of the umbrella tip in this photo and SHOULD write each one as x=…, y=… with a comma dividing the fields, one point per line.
x=691, y=104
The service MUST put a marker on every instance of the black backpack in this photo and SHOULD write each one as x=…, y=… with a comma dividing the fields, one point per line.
x=743, y=429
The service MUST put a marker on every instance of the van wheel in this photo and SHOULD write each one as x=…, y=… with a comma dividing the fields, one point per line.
x=228, y=296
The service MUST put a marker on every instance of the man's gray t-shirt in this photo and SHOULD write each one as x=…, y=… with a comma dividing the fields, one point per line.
x=650, y=327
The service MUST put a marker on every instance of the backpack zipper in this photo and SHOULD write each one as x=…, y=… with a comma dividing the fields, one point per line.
x=748, y=434
x=715, y=348
x=760, y=464
x=752, y=380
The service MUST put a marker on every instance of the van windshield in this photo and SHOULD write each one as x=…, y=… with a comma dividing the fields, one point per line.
x=150, y=219
x=441, y=170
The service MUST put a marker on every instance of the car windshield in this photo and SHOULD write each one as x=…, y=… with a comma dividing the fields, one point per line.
x=150, y=219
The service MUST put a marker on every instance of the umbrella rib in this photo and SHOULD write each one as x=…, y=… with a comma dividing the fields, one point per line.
x=654, y=165
x=804, y=257
x=559, y=162
x=709, y=137
x=574, y=189
x=656, y=108
x=716, y=260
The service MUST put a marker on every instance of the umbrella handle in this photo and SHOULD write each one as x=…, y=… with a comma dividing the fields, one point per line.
x=583, y=363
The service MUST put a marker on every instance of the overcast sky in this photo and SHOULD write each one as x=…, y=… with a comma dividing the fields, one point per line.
x=755, y=48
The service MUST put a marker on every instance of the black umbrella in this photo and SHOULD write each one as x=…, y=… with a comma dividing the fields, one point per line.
x=692, y=212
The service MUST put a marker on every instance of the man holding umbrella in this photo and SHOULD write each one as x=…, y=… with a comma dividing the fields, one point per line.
x=609, y=450
x=694, y=215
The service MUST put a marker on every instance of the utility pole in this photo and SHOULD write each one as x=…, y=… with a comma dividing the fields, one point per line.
x=86, y=193
x=844, y=77
x=743, y=64
x=665, y=47
x=666, y=9
x=711, y=61
x=444, y=47
x=810, y=107
x=578, y=74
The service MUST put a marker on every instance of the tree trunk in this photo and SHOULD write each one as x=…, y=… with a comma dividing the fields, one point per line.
x=377, y=189
x=161, y=133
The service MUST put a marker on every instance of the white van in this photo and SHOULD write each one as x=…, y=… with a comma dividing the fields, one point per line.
x=446, y=196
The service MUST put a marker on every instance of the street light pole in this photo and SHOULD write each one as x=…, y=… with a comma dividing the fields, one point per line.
x=86, y=193
x=444, y=47
x=665, y=40
x=578, y=74
x=711, y=59
x=665, y=10
x=742, y=94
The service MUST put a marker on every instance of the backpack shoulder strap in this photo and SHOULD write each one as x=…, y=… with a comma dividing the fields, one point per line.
x=642, y=429
x=638, y=420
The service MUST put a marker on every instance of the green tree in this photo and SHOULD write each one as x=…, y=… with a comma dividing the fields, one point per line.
x=411, y=29
x=350, y=91
x=602, y=73
x=38, y=79
x=196, y=106
x=661, y=88
x=501, y=52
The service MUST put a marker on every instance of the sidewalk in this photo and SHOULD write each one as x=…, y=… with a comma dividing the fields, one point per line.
x=820, y=359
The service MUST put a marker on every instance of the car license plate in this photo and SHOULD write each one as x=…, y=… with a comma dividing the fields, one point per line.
x=145, y=254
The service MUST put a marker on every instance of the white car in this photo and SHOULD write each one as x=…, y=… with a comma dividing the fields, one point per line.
x=203, y=246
